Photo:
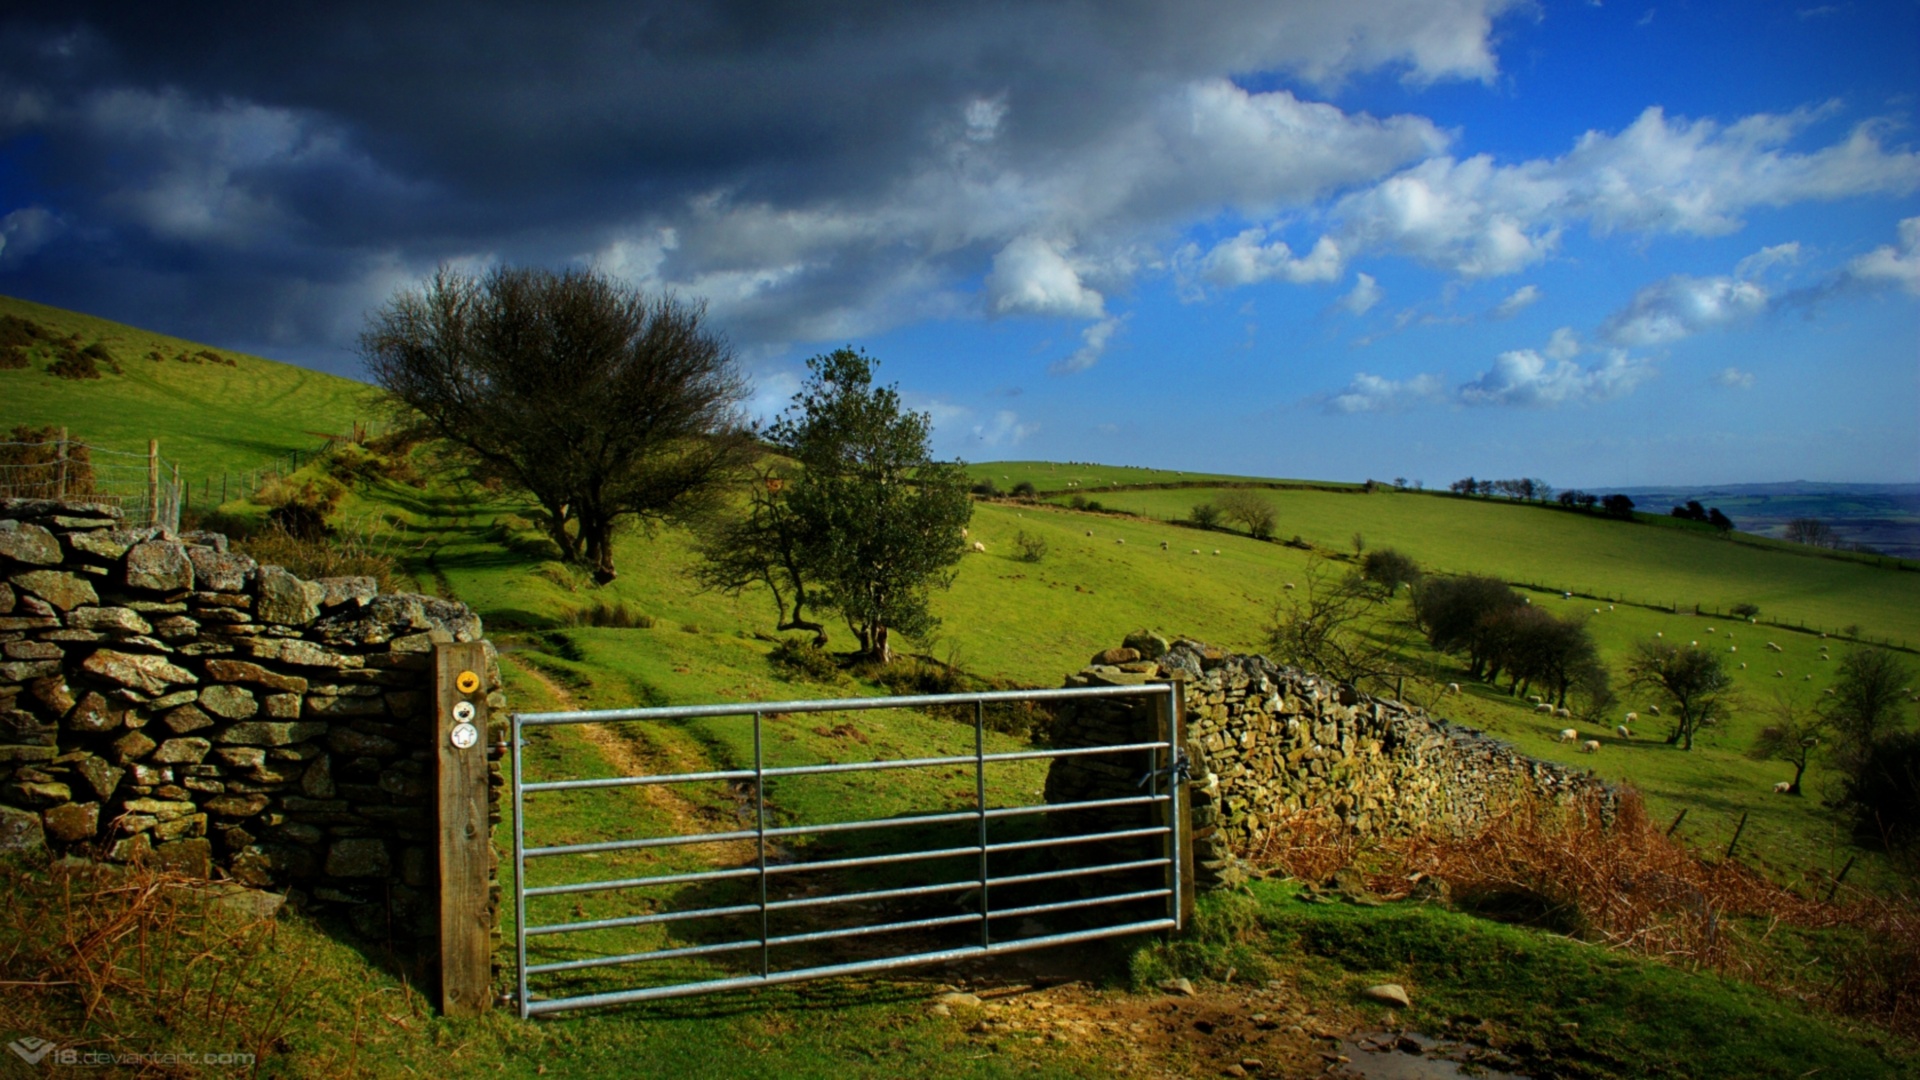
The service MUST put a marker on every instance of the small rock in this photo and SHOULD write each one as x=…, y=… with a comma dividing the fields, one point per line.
x=958, y=997
x=1388, y=994
x=940, y=1009
x=1178, y=986
x=1234, y=1070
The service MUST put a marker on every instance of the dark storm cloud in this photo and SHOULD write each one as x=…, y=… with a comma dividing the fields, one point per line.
x=814, y=170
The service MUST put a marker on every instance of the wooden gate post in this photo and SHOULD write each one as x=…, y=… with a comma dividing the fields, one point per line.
x=460, y=726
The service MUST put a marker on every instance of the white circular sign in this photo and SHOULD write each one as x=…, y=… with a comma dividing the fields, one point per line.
x=463, y=712
x=465, y=735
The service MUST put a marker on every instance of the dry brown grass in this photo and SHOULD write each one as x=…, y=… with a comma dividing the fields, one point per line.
x=105, y=960
x=1625, y=885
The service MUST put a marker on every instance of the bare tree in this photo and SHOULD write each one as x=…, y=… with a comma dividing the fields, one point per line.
x=602, y=403
x=1812, y=532
x=1250, y=511
x=1339, y=627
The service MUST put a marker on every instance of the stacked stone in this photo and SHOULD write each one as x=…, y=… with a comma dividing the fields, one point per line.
x=166, y=699
x=1267, y=742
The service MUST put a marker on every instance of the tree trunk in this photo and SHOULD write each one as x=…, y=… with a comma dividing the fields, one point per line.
x=882, y=649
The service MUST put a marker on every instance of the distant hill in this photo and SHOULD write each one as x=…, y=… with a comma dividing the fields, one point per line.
x=1884, y=517
x=213, y=410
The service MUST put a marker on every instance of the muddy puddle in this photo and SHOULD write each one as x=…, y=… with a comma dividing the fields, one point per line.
x=1409, y=1055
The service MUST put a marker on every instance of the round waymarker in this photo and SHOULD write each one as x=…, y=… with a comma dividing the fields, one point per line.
x=464, y=736
x=467, y=682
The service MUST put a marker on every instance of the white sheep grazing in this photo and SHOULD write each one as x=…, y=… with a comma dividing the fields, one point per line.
x=1806, y=678
x=1709, y=629
x=1544, y=707
x=1633, y=718
x=1743, y=665
x=1163, y=545
x=1778, y=674
x=1119, y=540
x=1591, y=746
x=1286, y=584
x=1609, y=607
x=1693, y=644
x=1216, y=551
x=1784, y=787
x=1659, y=634
x=1564, y=714
x=1569, y=735
x=1654, y=709
x=963, y=532
x=1828, y=691
x=1774, y=648
x=1453, y=688
x=1195, y=551
x=979, y=547
x=1733, y=648
x=1535, y=698
x=1622, y=731
x=1089, y=532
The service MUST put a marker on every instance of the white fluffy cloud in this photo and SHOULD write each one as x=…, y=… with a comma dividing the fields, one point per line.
x=26, y=231
x=1031, y=276
x=1516, y=302
x=1733, y=378
x=1005, y=430
x=1247, y=259
x=1681, y=307
x=1525, y=378
x=1365, y=294
x=1897, y=266
x=1371, y=393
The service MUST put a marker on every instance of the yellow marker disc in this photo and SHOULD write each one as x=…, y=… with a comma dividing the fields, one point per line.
x=467, y=681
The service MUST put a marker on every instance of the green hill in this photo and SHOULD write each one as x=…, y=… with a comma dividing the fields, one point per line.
x=213, y=410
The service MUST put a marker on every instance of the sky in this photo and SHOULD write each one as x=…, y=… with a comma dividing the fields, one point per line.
x=1602, y=244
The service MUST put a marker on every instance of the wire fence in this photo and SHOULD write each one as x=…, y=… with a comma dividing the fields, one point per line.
x=146, y=487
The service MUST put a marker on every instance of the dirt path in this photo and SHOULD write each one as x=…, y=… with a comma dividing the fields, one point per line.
x=630, y=753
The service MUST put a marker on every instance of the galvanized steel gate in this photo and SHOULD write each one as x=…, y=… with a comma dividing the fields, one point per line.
x=1133, y=908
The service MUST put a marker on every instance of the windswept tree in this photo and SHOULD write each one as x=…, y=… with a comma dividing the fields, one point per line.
x=1695, y=681
x=1248, y=510
x=765, y=545
x=602, y=403
x=880, y=520
x=1338, y=626
x=1387, y=570
x=1792, y=733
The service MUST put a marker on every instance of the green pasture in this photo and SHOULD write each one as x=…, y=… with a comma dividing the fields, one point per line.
x=209, y=418
x=1091, y=478
x=1586, y=554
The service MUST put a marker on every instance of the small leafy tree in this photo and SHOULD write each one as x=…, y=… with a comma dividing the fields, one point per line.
x=1386, y=569
x=1031, y=546
x=1205, y=515
x=1867, y=695
x=1618, y=506
x=880, y=519
x=1695, y=680
x=764, y=546
x=1460, y=615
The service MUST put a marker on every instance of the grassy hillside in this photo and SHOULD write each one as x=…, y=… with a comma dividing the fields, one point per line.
x=209, y=417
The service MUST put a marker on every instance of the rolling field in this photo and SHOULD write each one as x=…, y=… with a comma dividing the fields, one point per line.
x=209, y=418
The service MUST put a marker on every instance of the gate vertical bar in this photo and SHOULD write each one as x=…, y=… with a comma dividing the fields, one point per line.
x=980, y=804
x=760, y=828
x=1180, y=822
x=519, y=865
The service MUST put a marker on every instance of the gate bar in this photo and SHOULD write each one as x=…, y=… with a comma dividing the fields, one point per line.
x=683, y=712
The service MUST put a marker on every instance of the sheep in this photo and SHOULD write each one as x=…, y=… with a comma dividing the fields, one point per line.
x=979, y=547
x=1806, y=678
x=1564, y=714
x=1693, y=644
x=1828, y=691
x=1709, y=629
x=1621, y=730
x=1609, y=607
x=1659, y=634
x=1089, y=532
x=1216, y=551
x=1195, y=551
x=1784, y=787
x=1569, y=735
x=1453, y=688
x=1591, y=746
x=1778, y=674
x=1654, y=709
x=1119, y=539
x=1733, y=648
x=1771, y=647
x=963, y=532
x=1163, y=545
x=1743, y=665
x=1543, y=707
x=1286, y=584
x=1633, y=718
x=1535, y=698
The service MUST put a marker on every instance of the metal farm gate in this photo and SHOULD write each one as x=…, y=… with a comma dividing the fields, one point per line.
x=777, y=900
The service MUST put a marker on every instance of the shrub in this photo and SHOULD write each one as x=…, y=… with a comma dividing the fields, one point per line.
x=1024, y=489
x=614, y=614
x=301, y=508
x=73, y=364
x=1078, y=502
x=1093, y=506
x=1205, y=515
x=1032, y=548
x=986, y=487
x=13, y=357
x=800, y=660
x=1746, y=611
x=21, y=333
x=347, y=554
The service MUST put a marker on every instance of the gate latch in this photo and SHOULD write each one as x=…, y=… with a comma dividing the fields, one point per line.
x=1181, y=770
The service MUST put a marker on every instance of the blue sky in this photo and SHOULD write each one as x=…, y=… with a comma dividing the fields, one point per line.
x=1603, y=244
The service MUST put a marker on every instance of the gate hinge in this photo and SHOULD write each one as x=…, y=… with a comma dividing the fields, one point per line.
x=1181, y=770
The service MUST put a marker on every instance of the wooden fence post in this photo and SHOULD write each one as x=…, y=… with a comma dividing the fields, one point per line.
x=61, y=472
x=460, y=726
x=153, y=481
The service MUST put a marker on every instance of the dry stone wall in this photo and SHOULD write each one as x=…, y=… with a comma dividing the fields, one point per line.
x=1266, y=741
x=164, y=698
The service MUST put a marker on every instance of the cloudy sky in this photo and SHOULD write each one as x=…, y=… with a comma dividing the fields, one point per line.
x=1600, y=243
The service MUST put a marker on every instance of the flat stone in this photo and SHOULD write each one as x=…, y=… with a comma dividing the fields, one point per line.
x=93, y=714
x=16, y=671
x=326, y=706
x=29, y=544
x=220, y=571
x=189, y=751
x=365, y=857
x=299, y=653
x=317, y=781
x=14, y=755
x=151, y=674
x=283, y=706
x=159, y=565
x=33, y=650
x=72, y=821
x=38, y=792
x=63, y=590
x=240, y=671
x=347, y=590
x=193, y=857
x=244, y=757
x=162, y=809
x=20, y=830
x=103, y=778
x=131, y=747
x=123, y=619
x=232, y=702
x=137, y=848
x=345, y=740
x=106, y=543
x=1183, y=987
x=1388, y=994
x=185, y=719
x=280, y=597
x=271, y=733
x=236, y=805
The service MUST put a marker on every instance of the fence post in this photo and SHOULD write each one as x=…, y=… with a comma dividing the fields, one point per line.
x=179, y=499
x=153, y=481
x=460, y=725
x=60, y=472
